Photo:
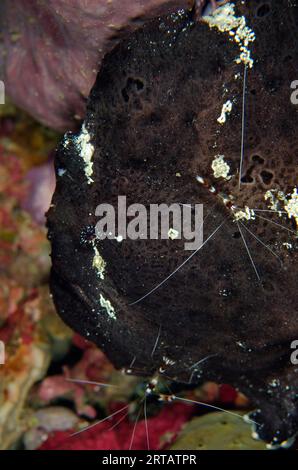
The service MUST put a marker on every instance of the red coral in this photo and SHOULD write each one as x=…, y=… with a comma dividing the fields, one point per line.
x=162, y=430
x=227, y=394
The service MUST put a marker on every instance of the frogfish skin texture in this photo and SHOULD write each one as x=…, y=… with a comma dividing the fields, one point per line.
x=164, y=125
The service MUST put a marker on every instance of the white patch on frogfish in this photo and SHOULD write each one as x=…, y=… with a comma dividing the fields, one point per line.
x=106, y=304
x=61, y=171
x=246, y=214
x=86, y=152
x=226, y=110
x=220, y=168
x=287, y=245
x=98, y=263
x=274, y=197
x=291, y=206
x=224, y=19
x=173, y=234
x=277, y=198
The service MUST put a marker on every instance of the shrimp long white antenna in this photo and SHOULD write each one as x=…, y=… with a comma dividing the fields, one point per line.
x=156, y=341
x=208, y=405
x=133, y=362
x=99, y=422
x=243, y=124
x=276, y=223
x=180, y=266
x=134, y=429
x=269, y=210
x=262, y=243
x=203, y=360
x=248, y=252
x=90, y=382
x=194, y=366
x=119, y=421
